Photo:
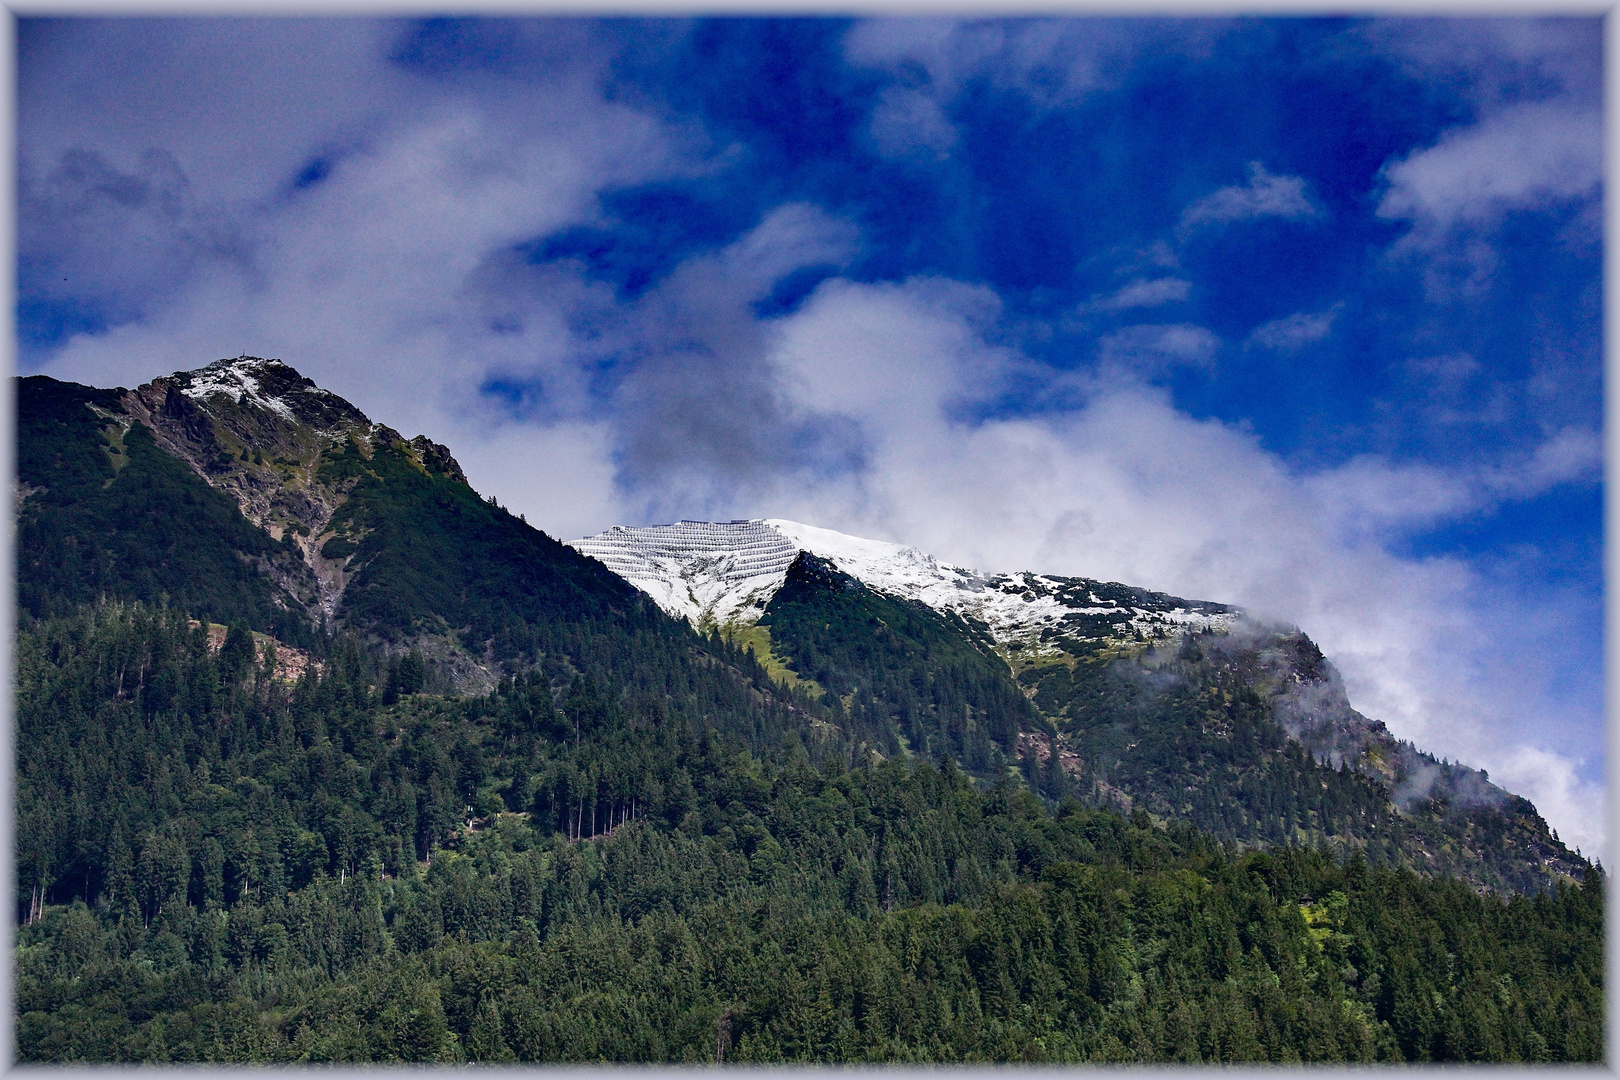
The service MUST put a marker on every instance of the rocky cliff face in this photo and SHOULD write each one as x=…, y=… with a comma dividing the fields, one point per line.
x=1308, y=699
x=261, y=432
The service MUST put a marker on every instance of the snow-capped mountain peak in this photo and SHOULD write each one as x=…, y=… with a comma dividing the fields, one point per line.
x=710, y=572
x=253, y=384
x=237, y=379
x=725, y=574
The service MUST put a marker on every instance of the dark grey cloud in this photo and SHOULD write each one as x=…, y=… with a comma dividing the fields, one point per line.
x=239, y=104
x=117, y=243
x=683, y=376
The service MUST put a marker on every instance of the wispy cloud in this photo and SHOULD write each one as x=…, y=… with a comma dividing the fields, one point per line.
x=1145, y=292
x=1373, y=498
x=1528, y=156
x=1263, y=196
x=908, y=122
x=1154, y=350
x=1052, y=63
x=1292, y=332
x=1534, y=144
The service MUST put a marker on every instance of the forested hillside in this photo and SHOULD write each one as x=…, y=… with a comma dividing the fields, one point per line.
x=507, y=808
x=570, y=868
x=898, y=669
x=1195, y=736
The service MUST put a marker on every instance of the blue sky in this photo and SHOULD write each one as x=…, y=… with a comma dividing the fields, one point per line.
x=1298, y=313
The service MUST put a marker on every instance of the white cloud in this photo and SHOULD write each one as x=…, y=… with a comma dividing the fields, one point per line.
x=1536, y=143
x=888, y=355
x=791, y=236
x=120, y=241
x=1292, y=332
x=1145, y=292
x=560, y=475
x=1154, y=350
x=1053, y=62
x=1263, y=196
x=1572, y=805
x=1370, y=497
x=1528, y=156
x=1490, y=60
x=1569, y=455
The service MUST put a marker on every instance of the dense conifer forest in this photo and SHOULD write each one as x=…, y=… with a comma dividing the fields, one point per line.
x=669, y=864
x=900, y=668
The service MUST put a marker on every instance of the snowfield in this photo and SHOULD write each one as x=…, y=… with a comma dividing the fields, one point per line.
x=724, y=573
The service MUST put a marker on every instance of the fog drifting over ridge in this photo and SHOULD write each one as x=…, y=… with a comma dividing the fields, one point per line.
x=916, y=408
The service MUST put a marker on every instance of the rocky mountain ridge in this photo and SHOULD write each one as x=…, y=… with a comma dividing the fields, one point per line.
x=720, y=574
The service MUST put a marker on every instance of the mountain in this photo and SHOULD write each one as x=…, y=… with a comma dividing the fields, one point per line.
x=323, y=756
x=104, y=509
x=1190, y=709
x=304, y=519
x=312, y=520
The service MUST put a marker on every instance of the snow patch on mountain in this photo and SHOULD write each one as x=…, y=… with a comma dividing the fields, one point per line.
x=725, y=573
x=712, y=573
x=236, y=379
x=254, y=382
